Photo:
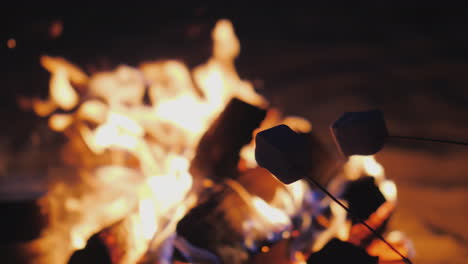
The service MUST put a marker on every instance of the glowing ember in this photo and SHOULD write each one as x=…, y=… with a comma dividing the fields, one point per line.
x=389, y=190
x=372, y=167
x=11, y=43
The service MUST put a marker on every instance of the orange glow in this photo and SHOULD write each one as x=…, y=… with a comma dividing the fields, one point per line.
x=59, y=122
x=53, y=64
x=107, y=122
x=399, y=241
x=94, y=111
x=373, y=168
x=43, y=108
x=389, y=190
x=265, y=249
x=298, y=124
x=338, y=226
x=56, y=29
x=286, y=235
x=61, y=91
x=11, y=43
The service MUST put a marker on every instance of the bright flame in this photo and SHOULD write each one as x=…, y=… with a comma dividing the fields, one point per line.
x=54, y=64
x=59, y=122
x=373, y=168
x=389, y=190
x=112, y=120
x=271, y=214
x=359, y=165
x=61, y=91
x=338, y=227
x=149, y=218
x=367, y=165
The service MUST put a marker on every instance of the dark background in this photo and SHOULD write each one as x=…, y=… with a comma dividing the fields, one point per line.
x=408, y=59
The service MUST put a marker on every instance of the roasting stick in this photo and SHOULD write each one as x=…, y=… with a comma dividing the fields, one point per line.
x=429, y=140
x=363, y=222
x=286, y=155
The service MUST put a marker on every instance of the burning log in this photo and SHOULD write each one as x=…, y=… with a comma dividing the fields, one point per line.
x=94, y=252
x=364, y=197
x=217, y=154
x=244, y=218
x=337, y=251
x=360, y=235
x=116, y=244
x=212, y=227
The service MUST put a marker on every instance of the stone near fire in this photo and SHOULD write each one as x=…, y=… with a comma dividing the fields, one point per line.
x=360, y=133
x=291, y=156
x=337, y=251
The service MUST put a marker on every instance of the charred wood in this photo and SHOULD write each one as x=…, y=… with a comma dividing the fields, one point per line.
x=217, y=154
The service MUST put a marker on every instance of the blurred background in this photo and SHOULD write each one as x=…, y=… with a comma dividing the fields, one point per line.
x=408, y=59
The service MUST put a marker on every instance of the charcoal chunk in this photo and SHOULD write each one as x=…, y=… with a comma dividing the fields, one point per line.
x=364, y=197
x=360, y=133
x=95, y=252
x=337, y=251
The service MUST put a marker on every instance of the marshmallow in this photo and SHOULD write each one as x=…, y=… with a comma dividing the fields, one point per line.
x=360, y=133
x=291, y=156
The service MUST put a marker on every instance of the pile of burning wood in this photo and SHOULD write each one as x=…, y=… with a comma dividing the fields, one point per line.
x=159, y=166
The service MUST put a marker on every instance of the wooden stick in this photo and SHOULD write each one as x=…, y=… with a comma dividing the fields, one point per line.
x=430, y=140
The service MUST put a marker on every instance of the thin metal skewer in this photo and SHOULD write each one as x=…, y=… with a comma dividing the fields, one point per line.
x=323, y=189
x=430, y=140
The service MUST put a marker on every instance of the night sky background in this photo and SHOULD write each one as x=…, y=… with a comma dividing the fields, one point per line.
x=408, y=59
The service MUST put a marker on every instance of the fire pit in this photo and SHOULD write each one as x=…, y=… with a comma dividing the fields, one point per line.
x=155, y=164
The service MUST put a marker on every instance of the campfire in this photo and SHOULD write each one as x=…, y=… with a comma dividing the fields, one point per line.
x=158, y=165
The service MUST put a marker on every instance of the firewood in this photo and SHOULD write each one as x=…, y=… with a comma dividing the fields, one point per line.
x=363, y=197
x=217, y=153
x=276, y=254
x=360, y=235
x=95, y=251
x=360, y=133
x=291, y=156
x=216, y=226
x=113, y=244
x=337, y=251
